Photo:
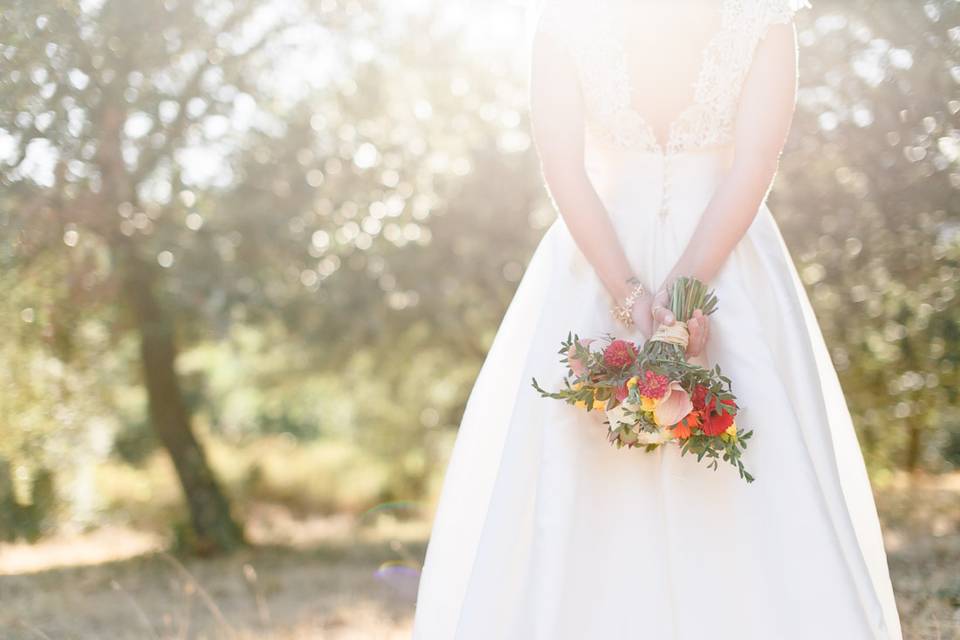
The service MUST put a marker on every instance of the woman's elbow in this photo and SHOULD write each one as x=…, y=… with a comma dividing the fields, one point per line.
x=760, y=165
x=559, y=171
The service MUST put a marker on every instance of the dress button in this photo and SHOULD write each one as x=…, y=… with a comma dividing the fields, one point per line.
x=667, y=184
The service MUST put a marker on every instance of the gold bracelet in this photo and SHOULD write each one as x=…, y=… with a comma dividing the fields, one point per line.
x=624, y=313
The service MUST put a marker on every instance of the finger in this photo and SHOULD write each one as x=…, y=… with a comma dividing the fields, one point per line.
x=695, y=328
x=693, y=334
x=704, y=335
x=702, y=325
x=702, y=345
x=663, y=315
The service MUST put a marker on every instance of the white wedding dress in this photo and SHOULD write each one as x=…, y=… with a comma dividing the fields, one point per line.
x=545, y=531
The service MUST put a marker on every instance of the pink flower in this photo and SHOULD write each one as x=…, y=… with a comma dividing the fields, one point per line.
x=653, y=385
x=674, y=407
x=578, y=366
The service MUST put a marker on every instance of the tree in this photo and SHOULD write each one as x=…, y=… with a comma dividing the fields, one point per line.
x=105, y=106
x=874, y=163
x=101, y=101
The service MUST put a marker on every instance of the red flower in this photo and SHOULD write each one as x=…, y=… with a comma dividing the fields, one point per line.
x=619, y=354
x=717, y=423
x=622, y=392
x=731, y=403
x=653, y=385
x=699, y=398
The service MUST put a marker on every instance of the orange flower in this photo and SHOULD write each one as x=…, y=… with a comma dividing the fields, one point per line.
x=685, y=427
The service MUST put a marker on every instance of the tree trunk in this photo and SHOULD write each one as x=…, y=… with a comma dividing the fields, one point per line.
x=914, y=447
x=213, y=525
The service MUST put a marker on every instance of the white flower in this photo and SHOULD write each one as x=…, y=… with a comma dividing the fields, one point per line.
x=622, y=414
x=660, y=437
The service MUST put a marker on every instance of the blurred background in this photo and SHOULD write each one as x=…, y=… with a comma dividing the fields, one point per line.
x=252, y=254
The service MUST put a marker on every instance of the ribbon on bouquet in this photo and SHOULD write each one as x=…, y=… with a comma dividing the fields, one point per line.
x=675, y=333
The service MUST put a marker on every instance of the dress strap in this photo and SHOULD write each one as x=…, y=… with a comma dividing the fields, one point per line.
x=781, y=11
x=554, y=20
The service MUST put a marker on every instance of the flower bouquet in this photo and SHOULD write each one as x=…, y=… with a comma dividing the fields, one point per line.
x=651, y=396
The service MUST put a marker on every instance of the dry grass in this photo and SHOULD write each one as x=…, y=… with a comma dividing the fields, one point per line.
x=922, y=527
x=332, y=578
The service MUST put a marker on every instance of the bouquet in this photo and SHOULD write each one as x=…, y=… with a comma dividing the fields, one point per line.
x=651, y=396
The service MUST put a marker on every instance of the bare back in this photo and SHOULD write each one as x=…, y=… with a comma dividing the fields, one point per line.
x=656, y=32
x=661, y=76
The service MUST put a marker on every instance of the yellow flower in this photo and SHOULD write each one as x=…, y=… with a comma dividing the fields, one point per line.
x=648, y=404
x=731, y=433
x=597, y=404
x=580, y=404
x=632, y=382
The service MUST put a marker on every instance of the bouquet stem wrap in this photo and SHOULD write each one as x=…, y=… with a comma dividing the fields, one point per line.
x=675, y=334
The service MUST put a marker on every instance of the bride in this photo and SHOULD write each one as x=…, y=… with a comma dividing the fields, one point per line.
x=659, y=126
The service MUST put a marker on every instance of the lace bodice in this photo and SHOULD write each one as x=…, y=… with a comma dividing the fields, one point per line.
x=597, y=46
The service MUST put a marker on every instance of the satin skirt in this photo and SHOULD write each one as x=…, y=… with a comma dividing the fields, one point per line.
x=545, y=531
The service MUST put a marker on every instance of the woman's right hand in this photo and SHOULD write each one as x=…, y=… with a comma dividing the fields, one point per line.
x=660, y=309
x=649, y=313
x=643, y=316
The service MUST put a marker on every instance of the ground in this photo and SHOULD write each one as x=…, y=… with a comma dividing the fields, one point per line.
x=343, y=578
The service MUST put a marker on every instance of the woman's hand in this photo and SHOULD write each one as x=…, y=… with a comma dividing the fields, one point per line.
x=698, y=326
x=643, y=317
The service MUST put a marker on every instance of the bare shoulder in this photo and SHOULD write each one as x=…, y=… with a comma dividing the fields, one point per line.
x=779, y=12
x=553, y=23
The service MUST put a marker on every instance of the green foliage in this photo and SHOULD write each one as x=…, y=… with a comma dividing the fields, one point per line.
x=335, y=250
x=868, y=202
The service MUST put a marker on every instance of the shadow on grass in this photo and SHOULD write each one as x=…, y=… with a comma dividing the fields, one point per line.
x=328, y=590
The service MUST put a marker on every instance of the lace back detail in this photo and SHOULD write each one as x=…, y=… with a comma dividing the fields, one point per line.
x=598, y=50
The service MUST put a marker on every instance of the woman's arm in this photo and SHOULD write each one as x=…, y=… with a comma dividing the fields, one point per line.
x=763, y=123
x=557, y=119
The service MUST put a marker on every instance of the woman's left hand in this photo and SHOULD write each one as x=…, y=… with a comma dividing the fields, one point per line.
x=699, y=329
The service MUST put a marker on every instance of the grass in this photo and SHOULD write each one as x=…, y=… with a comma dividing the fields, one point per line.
x=326, y=476
x=330, y=579
x=922, y=530
x=343, y=577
